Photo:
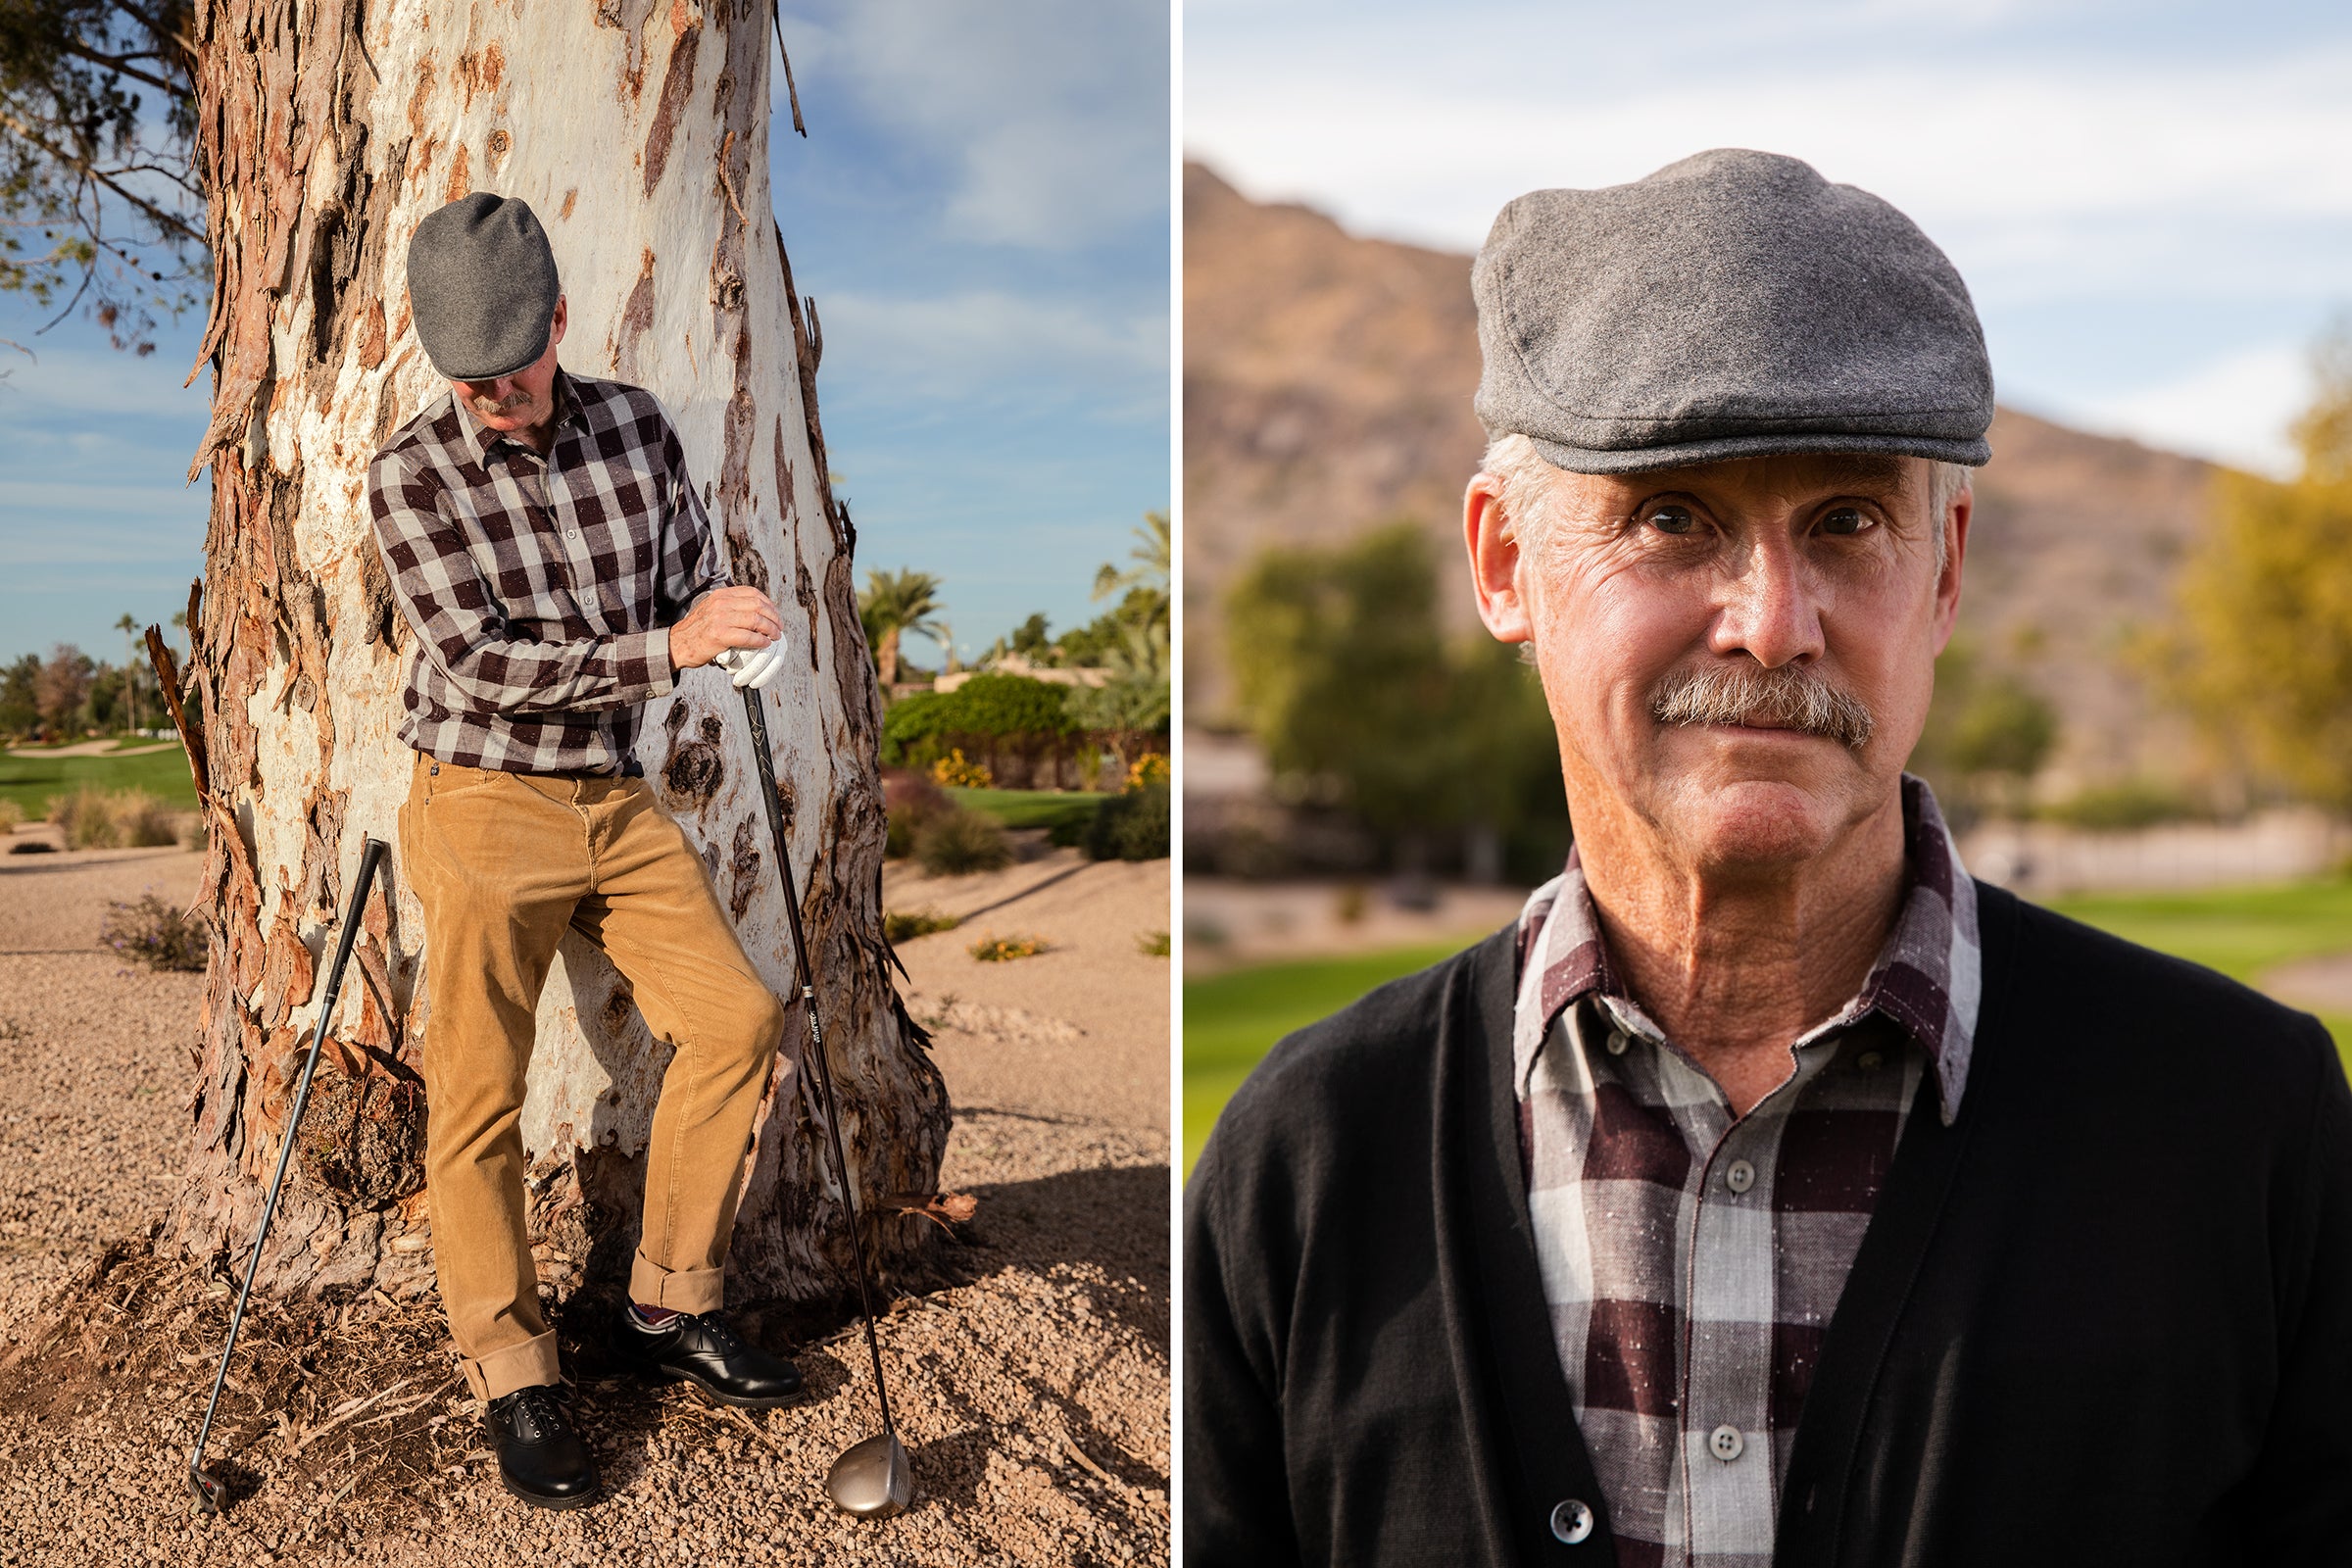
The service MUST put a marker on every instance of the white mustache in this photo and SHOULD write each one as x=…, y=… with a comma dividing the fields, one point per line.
x=1790, y=697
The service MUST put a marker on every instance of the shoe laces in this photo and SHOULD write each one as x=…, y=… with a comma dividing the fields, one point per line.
x=716, y=1328
x=536, y=1415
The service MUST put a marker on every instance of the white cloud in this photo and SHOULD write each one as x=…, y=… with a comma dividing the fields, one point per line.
x=953, y=345
x=1052, y=113
x=2235, y=409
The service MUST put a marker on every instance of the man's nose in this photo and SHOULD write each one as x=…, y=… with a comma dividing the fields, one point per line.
x=1770, y=607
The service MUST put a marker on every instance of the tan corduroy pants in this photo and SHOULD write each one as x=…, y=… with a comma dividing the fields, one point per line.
x=505, y=864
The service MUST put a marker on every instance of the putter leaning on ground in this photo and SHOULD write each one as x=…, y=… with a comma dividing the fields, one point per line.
x=546, y=547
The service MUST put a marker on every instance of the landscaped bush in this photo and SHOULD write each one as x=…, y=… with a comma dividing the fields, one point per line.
x=1131, y=826
x=958, y=841
x=987, y=717
x=91, y=819
x=956, y=772
x=155, y=933
x=11, y=817
x=1002, y=950
x=910, y=799
x=905, y=927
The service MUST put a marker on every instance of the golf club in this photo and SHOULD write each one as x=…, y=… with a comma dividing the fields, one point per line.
x=208, y=1489
x=871, y=1479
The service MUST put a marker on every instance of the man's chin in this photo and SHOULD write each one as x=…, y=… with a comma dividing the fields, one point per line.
x=1769, y=797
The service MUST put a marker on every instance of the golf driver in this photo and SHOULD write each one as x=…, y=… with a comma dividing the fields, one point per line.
x=871, y=1479
x=209, y=1492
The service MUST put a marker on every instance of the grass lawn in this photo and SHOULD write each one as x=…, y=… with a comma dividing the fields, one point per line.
x=1031, y=808
x=1231, y=1020
x=30, y=781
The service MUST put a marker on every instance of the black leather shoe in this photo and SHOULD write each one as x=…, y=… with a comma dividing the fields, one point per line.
x=540, y=1457
x=700, y=1349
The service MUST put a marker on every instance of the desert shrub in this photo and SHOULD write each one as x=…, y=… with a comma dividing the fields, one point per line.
x=958, y=841
x=2123, y=806
x=1002, y=950
x=155, y=933
x=91, y=819
x=11, y=817
x=957, y=772
x=1131, y=826
x=906, y=927
x=911, y=800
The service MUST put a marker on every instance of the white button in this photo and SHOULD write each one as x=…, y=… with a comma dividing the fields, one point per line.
x=1571, y=1522
x=1725, y=1442
x=1869, y=1060
x=1741, y=1177
x=1617, y=1044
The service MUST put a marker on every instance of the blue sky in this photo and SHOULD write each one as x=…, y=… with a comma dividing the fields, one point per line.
x=981, y=212
x=2151, y=202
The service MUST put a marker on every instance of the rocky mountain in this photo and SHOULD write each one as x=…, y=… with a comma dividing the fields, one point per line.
x=1327, y=383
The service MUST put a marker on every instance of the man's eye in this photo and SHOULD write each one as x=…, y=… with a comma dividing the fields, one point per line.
x=1845, y=520
x=1673, y=519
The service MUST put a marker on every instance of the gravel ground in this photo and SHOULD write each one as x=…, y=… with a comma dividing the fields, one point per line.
x=1033, y=1391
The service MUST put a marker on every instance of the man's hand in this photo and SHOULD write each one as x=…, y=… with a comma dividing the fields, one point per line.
x=724, y=618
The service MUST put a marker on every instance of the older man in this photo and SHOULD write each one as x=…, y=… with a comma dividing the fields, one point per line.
x=1770, y=1193
x=545, y=543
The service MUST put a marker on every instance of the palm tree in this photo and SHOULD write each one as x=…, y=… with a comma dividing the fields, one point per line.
x=1154, y=562
x=128, y=626
x=893, y=604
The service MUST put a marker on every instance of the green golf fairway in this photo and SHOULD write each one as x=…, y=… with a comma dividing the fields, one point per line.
x=1032, y=807
x=30, y=781
x=1231, y=1020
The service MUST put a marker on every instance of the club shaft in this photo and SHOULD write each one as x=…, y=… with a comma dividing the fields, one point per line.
x=752, y=706
x=368, y=856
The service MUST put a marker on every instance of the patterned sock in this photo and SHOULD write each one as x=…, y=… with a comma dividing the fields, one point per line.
x=649, y=1317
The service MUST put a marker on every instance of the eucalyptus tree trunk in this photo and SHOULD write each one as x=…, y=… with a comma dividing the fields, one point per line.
x=638, y=132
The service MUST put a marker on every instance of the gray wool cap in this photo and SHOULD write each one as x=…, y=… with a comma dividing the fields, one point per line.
x=1730, y=304
x=482, y=286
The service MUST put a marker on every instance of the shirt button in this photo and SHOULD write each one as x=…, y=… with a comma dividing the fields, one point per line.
x=1571, y=1522
x=1740, y=1177
x=1617, y=1044
x=1725, y=1443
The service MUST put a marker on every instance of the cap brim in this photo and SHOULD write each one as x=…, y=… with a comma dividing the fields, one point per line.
x=1722, y=448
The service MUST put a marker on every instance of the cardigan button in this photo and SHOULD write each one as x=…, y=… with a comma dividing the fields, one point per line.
x=1571, y=1523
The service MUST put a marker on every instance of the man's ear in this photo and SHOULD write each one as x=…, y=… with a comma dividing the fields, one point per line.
x=1495, y=560
x=1947, y=587
x=555, y=336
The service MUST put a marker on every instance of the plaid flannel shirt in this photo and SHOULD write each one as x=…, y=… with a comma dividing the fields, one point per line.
x=541, y=589
x=1691, y=1261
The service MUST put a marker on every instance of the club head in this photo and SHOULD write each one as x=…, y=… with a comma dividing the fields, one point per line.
x=872, y=1480
x=209, y=1492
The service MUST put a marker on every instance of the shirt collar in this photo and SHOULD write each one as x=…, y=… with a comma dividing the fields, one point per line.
x=481, y=440
x=1928, y=977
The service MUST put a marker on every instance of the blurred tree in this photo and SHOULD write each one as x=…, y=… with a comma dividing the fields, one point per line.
x=2261, y=657
x=1154, y=562
x=1988, y=735
x=97, y=126
x=19, y=708
x=893, y=604
x=1348, y=684
x=62, y=687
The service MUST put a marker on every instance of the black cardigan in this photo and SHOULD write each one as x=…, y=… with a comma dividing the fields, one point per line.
x=2105, y=1317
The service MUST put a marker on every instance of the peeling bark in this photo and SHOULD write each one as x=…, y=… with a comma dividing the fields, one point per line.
x=323, y=146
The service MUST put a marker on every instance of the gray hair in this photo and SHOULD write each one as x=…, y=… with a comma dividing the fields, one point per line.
x=1529, y=491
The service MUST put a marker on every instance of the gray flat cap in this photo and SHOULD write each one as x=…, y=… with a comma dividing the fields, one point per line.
x=481, y=287
x=1730, y=304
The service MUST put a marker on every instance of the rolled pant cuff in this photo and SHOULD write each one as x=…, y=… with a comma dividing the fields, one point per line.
x=518, y=1366
x=684, y=1289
